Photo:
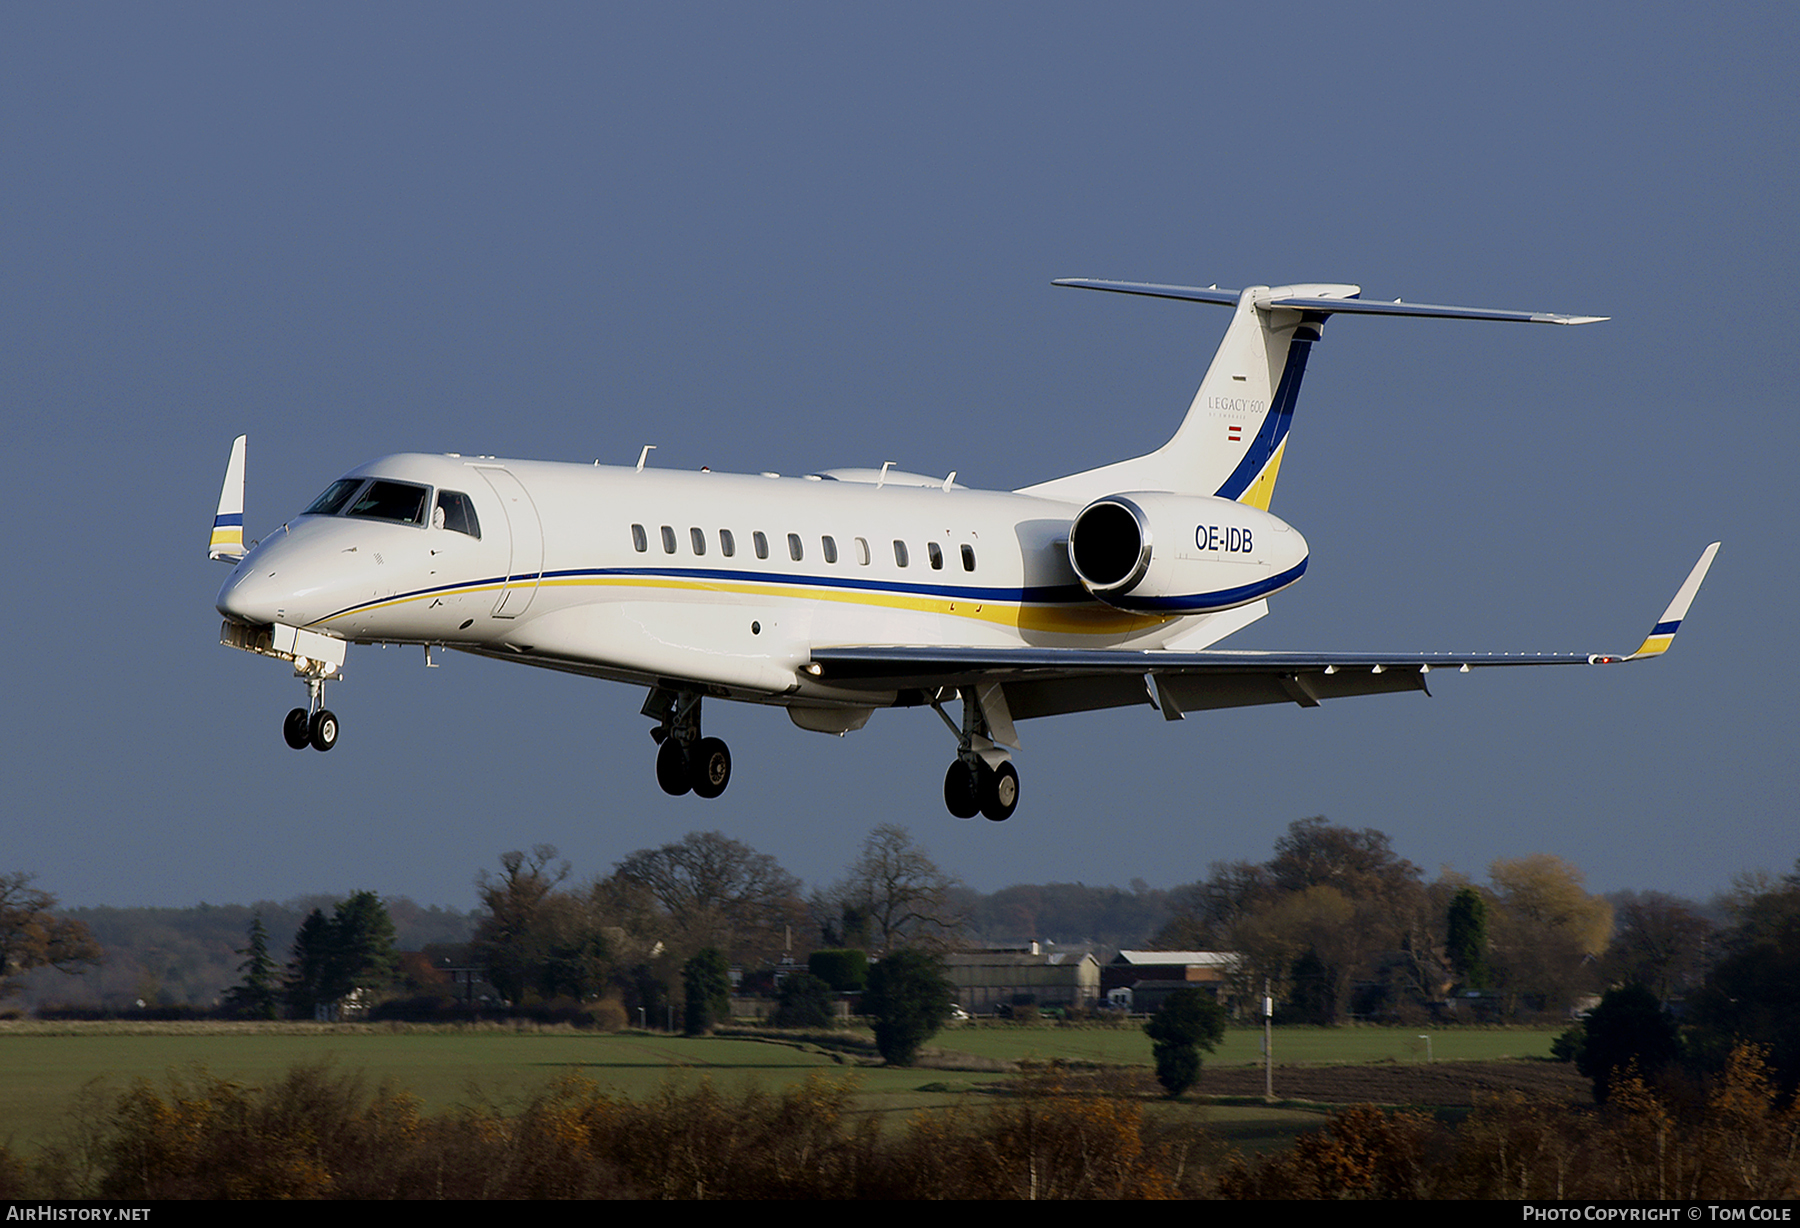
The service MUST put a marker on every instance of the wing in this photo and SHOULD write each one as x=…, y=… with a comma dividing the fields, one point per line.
x=1048, y=681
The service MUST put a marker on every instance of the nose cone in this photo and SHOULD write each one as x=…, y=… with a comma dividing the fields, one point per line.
x=254, y=595
x=294, y=576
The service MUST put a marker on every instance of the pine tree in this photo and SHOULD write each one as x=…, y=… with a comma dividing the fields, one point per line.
x=332, y=958
x=309, y=966
x=258, y=995
x=1468, y=937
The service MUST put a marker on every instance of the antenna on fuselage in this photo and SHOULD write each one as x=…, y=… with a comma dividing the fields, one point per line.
x=882, y=480
x=644, y=456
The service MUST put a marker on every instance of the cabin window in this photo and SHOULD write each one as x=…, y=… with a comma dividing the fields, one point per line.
x=336, y=495
x=795, y=550
x=899, y=553
x=727, y=543
x=456, y=511
x=698, y=538
x=401, y=502
x=862, y=551
x=668, y=536
x=830, y=545
x=761, y=543
x=937, y=556
x=968, y=553
x=640, y=541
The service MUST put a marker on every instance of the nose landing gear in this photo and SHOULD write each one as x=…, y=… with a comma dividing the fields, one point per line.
x=685, y=761
x=314, y=725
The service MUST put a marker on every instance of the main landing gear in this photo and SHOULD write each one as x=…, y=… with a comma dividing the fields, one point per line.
x=314, y=725
x=982, y=780
x=975, y=788
x=684, y=760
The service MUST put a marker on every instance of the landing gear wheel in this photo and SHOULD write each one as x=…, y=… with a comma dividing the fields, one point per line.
x=1000, y=792
x=297, y=729
x=672, y=768
x=323, y=729
x=962, y=790
x=711, y=765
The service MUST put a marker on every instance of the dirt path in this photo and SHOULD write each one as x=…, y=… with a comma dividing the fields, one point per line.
x=1451, y=1084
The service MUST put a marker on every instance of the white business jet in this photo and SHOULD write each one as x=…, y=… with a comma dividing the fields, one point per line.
x=850, y=590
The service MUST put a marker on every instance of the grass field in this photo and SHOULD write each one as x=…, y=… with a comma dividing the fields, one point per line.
x=44, y=1067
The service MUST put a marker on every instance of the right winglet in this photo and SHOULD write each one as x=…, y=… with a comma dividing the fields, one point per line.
x=228, y=524
x=1663, y=633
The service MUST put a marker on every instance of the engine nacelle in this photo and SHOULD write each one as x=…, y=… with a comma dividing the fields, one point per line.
x=1151, y=552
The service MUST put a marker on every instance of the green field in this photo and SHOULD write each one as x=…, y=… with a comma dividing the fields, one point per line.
x=44, y=1067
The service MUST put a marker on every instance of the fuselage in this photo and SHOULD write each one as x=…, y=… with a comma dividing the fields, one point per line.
x=839, y=593
x=721, y=579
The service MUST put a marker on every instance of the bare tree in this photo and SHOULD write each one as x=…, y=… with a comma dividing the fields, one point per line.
x=1660, y=942
x=513, y=937
x=896, y=893
x=30, y=937
x=1207, y=914
x=718, y=891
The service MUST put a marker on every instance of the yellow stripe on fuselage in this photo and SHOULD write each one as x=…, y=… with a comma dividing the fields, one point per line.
x=1066, y=620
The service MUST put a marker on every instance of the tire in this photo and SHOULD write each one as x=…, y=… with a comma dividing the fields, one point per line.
x=962, y=791
x=672, y=768
x=324, y=731
x=711, y=766
x=1000, y=792
x=296, y=730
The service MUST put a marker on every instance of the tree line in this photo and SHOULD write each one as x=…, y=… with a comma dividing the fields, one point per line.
x=1335, y=923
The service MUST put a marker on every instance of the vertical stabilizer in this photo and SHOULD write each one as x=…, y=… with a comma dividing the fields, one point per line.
x=1234, y=436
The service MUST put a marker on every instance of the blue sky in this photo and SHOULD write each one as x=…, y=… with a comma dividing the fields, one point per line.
x=789, y=237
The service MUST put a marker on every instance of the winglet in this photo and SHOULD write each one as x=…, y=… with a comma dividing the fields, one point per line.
x=228, y=524
x=1663, y=633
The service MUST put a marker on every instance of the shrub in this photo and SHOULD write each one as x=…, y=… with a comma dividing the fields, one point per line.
x=806, y=1002
x=909, y=998
x=1187, y=1022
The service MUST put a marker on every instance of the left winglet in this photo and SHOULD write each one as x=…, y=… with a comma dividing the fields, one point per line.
x=228, y=524
x=1663, y=633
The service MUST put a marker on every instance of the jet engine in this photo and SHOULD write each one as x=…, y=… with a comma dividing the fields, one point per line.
x=1153, y=552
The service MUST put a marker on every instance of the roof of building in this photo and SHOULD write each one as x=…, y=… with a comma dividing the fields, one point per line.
x=1204, y=959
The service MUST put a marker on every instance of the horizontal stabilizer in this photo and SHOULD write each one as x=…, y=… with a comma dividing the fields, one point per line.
x=1298, y=298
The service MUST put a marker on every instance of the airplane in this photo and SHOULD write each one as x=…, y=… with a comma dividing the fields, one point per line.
x=841, y=592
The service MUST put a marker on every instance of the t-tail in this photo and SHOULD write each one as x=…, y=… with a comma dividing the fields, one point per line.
x=1232, y=441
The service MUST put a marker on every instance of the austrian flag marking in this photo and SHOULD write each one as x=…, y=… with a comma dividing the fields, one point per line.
x=1234, y=433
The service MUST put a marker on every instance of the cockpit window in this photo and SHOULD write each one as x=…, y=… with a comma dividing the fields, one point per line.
x=335, y=497
x=397, y=501
x=455, y=510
